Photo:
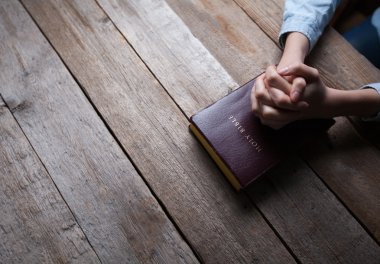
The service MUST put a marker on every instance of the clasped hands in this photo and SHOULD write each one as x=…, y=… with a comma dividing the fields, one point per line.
x=281, y=96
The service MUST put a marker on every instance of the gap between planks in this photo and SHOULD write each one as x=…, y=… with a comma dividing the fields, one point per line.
x=162, y=205
x=50, y=174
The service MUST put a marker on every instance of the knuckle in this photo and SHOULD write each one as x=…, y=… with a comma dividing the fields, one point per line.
x=271, y=78
x=260, y=94
x=298, y=65
x=271, y=73
x=300, y=82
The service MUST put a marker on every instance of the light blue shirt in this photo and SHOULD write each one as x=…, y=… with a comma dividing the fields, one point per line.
x=310, y=17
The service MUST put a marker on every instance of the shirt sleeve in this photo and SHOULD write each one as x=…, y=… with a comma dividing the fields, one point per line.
x=375, y=86
x=308, y=17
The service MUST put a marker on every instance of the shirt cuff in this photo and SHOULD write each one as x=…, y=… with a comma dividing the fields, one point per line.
x=303, y=25
x=375, y=86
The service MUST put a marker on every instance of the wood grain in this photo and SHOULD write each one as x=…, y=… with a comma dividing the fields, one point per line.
x=278, y=213
x=122, y=220
x=351, y=72
x=229, y=34
x=314, y=224
x=222, y=226
x=195, y=38
x=348, y=165
x=36, y=226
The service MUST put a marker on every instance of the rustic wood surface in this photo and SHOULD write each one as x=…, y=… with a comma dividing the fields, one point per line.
x=115, y=209
x=348, y=165
x=32, y=209
x=218, y=223
x=313, y=223
x=97, y=99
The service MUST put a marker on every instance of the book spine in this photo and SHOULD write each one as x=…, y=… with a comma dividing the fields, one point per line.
x=221, y=164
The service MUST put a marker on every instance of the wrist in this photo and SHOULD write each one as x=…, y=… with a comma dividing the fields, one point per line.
x=296, y=49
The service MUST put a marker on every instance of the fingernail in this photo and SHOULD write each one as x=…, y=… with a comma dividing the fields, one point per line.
x=283, y=70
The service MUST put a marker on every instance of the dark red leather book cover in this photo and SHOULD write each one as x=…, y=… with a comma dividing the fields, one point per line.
x=244, y=145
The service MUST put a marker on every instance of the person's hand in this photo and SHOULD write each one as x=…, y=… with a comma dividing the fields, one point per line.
x=271, y=102
x=309, y=87
x=326, y=102
x=285, y=105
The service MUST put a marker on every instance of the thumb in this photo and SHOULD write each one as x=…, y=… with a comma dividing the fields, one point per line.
x=297, y=89
x=302, y=70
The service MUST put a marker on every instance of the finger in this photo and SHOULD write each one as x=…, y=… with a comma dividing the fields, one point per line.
x=254, y=102
x=298, y=88
x=300, y=69
x=275, y=80
x=261, y=92
x=283, y=101
x=253, y=95
x=273, y=123
x=289, y=78
x=274, y=114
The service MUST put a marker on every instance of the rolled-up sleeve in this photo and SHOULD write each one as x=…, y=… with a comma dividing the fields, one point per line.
x=308, y=17
x=375, y=86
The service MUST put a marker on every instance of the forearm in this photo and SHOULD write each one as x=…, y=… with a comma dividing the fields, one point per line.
x=363, y=103
x=295, y=50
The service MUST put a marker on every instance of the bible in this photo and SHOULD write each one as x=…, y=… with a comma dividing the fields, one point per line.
x=241, y=146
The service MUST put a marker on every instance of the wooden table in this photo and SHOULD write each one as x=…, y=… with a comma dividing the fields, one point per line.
x=97, y=163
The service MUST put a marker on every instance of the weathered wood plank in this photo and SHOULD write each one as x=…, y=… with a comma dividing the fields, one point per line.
x=119, y=215
x=222, y=226
x=351, y=72
x=117, y=15
x=275, y=212
x=318, y=230
x=349, y=158
x=184, y=41
x=36, y=226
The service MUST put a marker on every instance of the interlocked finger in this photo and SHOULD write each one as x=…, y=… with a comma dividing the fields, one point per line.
x=273, y=79
x=298, y=88
x=283, y=101
x=261, y=92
